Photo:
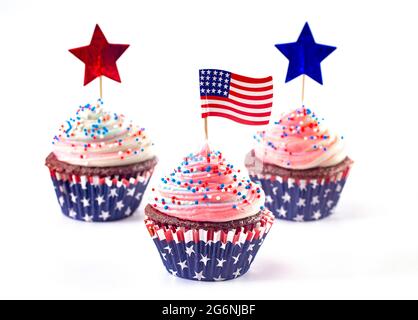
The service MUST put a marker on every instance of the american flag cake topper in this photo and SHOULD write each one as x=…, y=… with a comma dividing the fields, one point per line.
x=242, y=99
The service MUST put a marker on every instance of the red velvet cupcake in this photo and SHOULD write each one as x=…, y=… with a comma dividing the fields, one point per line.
x=207, y=221
x=301, y=166
x=100, y=166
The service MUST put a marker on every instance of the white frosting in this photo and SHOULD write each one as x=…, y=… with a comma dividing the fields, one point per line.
x=96, y=138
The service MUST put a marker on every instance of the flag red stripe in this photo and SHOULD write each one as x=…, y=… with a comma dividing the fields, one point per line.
x=244, y=96
x=236, y=119
x=251, y=114
x=250, y=80
x=241, y=104
x=237, y=86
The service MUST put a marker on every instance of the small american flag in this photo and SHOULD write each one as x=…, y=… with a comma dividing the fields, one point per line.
x=238, y=98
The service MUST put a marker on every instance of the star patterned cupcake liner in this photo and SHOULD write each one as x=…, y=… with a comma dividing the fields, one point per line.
x=209, y=254
x=302, y=200
x=96, y=199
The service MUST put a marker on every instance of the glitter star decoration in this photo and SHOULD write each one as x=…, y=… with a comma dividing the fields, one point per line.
x=100, y=57
x=305, y=56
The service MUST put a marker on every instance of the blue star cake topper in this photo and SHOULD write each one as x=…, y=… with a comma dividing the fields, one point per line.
x=305, y=56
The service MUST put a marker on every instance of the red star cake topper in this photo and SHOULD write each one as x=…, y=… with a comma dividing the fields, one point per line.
x=100, y=57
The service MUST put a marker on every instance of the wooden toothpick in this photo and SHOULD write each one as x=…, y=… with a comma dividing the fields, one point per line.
x=206, y=129
x=101, y=87
x=303, y=90
x=206, y=121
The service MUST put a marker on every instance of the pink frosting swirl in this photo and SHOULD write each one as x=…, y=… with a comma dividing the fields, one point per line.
x=299, y=141
x=205, y=188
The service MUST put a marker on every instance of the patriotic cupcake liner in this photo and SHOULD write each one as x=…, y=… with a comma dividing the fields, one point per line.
x=302, y=200
x=96, y=199
x=209, y=254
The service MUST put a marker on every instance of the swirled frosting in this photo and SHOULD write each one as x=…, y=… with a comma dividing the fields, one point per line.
x=96, y=138
x=299, y=141
x=206, y=188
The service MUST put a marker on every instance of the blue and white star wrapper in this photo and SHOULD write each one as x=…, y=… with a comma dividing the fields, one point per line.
x=209, y=255
x=95, y=199
x=302, y=200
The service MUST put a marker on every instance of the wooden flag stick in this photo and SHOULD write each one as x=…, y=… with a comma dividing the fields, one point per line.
x=101, y=87
x=303, y=90
x=206, y=129
x=206, y=122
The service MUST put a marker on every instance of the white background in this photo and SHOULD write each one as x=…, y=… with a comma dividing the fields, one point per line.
x=368, y=249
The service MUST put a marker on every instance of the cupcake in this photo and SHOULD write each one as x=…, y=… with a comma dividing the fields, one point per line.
x=100, y=165
x=206, y=220
x=301, y=166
